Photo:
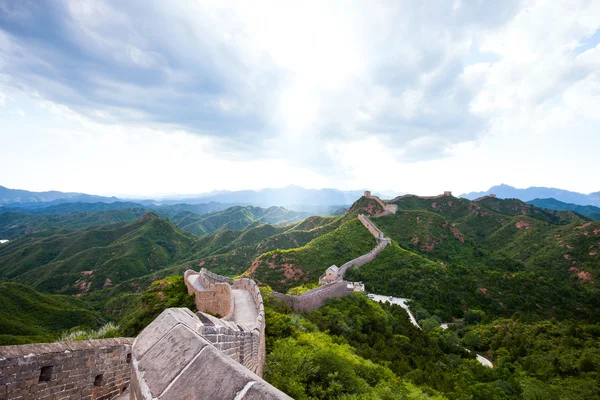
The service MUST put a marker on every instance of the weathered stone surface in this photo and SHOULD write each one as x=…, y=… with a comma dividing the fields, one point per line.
x=70, y=368
x=154, y=332
x=183, y=364
x=170, y=354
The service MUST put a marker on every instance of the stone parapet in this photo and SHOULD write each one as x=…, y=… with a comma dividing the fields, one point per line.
x=89, y=369
x=173, y=358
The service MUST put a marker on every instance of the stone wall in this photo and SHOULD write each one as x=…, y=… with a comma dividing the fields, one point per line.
x=90, y=369
x=244, y=344
x=259, y=329
x=216, y=298
x=445, y=194
x=365, y=258
x=173, y=359
x=387, y=208
x=489, y=196
x=313, y=299
x=370, y=226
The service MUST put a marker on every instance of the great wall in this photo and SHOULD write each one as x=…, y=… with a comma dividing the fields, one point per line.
x=216, y=353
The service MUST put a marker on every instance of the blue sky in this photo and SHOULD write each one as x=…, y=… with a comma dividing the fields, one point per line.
x=153, y=97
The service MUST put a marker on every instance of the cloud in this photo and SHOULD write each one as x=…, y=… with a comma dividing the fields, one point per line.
x=255, y=74
x=312, y=82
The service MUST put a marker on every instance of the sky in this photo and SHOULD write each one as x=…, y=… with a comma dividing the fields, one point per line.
x=148, y=97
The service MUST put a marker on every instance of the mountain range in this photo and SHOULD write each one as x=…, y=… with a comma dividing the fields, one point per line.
x=316, y=201
x=508, y=192
x=294, y=197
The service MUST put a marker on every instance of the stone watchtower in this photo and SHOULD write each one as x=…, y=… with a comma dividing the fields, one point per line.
x=367, y=193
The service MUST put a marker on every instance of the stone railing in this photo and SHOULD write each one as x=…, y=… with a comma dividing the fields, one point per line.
x=89, y=369
x=259, y=328
x=175, y=357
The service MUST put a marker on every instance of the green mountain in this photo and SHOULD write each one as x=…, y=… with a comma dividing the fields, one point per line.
x=283, y=269
x=499, y=256
x=591, y=212
x=234, y=218
x=14, y=225
x=79, y=261
x=29, y=316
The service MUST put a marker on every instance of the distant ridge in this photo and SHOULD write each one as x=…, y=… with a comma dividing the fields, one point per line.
x=10, y=196
x=508, y=192
x=296, y=197
x=591, y=212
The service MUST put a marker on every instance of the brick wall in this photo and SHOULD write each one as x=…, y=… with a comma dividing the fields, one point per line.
x=91, y=369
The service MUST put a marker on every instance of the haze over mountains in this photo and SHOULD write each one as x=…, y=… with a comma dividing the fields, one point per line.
x=508, y=192
x=295, y=197
x=289, y=195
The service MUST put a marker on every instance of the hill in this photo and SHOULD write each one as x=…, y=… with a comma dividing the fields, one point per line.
x=234, y=218
x=500, y=256
x=67, y=261
x=14, y=225
x=283, y=269
x=591, y=212
x=29, y=316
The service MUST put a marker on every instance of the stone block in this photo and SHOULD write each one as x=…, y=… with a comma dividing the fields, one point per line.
x=171, y=353
x=161, y=326
x=10, y=351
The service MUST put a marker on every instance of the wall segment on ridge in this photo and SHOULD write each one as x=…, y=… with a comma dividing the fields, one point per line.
x=313, y=299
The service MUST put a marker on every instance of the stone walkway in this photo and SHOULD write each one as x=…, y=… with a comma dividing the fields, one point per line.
x=244, y=311
x=194, y=280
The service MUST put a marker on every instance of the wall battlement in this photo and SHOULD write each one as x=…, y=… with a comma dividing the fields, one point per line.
x=89, y=369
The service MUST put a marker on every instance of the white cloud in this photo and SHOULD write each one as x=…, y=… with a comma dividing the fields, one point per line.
x=460, y=95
